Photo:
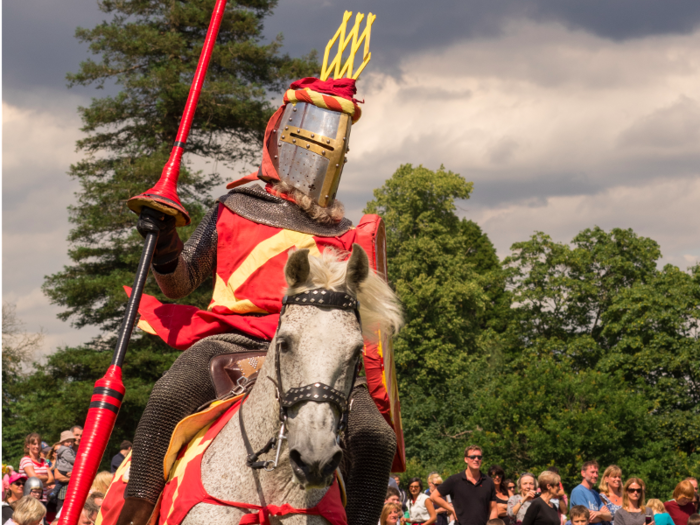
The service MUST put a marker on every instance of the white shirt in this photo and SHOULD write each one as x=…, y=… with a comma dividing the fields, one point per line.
x=418, y=512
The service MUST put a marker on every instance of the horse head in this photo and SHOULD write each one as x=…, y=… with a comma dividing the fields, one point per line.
x=318, y=349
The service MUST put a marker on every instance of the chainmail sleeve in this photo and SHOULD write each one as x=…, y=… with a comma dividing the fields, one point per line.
x=195, y=263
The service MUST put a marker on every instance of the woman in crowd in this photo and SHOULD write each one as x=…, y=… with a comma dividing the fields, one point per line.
x=661, y=517
x=101, y=482
x=431, y=485
x=542, y=511
x=633, y=510
x=518, y=504
x=681, y=506
x=497, y=474
x=560, y=501
x=391, y=514
x=611, y=489
x=28, y=511
x=32, y=465
x=13, y=492
x=420, y=508
x=510, y=487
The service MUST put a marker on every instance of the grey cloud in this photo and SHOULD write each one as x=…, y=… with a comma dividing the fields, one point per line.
x=38, y=43
x=675, y=127
x=406, y=26
x=503, y=150
x=621, y=19
x=39, y=47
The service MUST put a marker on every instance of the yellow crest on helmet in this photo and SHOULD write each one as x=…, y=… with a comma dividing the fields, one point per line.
x=336, y=66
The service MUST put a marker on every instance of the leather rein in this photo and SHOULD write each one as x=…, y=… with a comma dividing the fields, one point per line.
x=316, y=392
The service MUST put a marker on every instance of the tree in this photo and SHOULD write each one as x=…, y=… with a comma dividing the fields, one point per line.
x=149, y=48
x=18, y=349
x=604, y=364
x=652, y=329
x=447, y=274
x=18, y=346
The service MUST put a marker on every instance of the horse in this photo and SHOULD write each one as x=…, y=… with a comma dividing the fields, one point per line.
x=314, y=345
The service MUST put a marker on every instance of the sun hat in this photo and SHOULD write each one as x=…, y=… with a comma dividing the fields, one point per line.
x=65, y=436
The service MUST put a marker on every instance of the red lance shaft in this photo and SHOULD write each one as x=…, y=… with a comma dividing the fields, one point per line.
x=109, y=391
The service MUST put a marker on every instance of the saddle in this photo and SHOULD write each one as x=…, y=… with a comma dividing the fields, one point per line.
x=236, y=373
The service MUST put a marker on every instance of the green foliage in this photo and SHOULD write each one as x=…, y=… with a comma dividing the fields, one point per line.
x=605, y=364
x=566, y=352
x=54, y=397
x=448, y=277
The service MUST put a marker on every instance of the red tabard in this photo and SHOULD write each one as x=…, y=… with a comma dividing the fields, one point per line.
x=249, y=279
x=185, y=490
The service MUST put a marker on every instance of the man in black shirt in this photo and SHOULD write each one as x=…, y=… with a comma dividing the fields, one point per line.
x=473, y=494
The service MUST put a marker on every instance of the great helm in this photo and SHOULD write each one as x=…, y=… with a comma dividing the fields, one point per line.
x=307, y=139
x=309, y=146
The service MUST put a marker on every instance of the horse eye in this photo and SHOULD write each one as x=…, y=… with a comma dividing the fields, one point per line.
x=283, y=346
x=358, y=351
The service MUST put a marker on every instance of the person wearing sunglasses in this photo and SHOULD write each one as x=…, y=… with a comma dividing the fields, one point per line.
x=509, y=484
x=633, y=510
x=473, y=493
x=420, y=509
x=498, y=476
x=14, y=483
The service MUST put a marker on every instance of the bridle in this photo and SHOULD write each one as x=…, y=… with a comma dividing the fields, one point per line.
x=317, y=392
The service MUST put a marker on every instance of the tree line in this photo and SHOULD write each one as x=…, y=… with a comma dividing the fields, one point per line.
x=559, y=353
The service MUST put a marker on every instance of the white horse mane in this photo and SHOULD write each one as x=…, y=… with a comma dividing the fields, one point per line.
x=379, y=305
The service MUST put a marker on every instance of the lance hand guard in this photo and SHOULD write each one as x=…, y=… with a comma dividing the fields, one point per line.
x=163, y=196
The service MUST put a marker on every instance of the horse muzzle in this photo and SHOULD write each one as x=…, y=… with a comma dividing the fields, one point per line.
x=313, y=470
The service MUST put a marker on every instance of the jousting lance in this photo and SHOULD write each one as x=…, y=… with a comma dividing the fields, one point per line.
x=109, y=391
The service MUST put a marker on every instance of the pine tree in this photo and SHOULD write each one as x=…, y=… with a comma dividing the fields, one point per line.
x=150, y=49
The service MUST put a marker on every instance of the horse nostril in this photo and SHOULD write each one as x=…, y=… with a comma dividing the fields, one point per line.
x=330, y=467
x=295, y=458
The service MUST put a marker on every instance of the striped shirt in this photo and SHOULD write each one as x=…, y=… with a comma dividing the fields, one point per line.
x=40, y=469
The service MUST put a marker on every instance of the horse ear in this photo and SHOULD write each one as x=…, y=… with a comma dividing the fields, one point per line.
x=358, y=268
x=297, y=269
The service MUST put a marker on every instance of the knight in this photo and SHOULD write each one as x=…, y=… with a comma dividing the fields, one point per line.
x=244, y=241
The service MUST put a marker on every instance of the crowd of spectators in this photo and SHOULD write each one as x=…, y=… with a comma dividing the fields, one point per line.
x=34, y=493
x=475, y=497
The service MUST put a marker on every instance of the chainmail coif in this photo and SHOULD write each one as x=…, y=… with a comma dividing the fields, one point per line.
x=176, y=395
x=368, y=452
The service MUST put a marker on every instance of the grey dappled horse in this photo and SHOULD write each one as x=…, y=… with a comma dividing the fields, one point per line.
x=314, y=345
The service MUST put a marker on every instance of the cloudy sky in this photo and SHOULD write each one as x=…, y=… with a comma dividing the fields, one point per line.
x=565, y=115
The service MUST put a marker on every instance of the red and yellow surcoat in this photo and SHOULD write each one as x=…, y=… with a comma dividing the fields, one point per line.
x=248, y=288
x=248, y=279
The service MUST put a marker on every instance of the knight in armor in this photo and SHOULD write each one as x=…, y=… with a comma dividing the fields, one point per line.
x=244, y=241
